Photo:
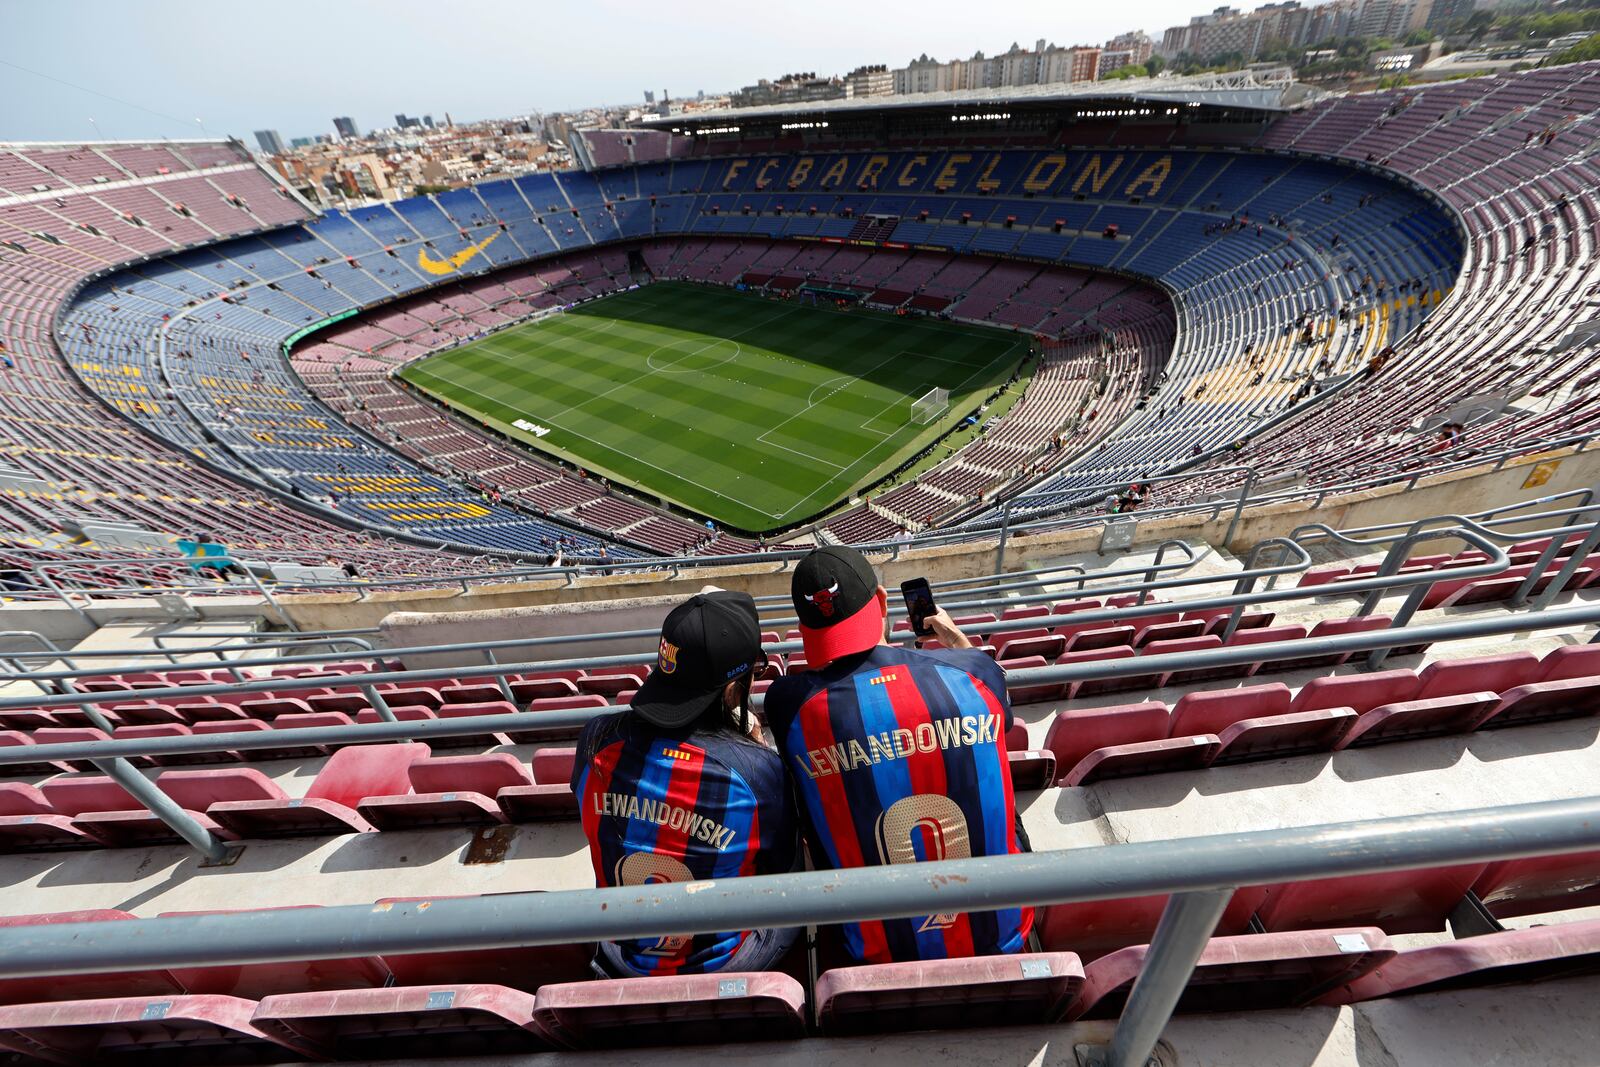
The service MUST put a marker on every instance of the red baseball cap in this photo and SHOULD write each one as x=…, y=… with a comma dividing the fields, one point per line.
x=835, y=595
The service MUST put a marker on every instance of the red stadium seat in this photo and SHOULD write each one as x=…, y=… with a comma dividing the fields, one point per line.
x=1145, y=757
x=154, y=982
x=14, y=738
x=1495, y=674
x=468, y=711
x=1334, y=628
x=1358, y=692
x=1296, y=733
x=197, y=1030
x=534, y=734
x=256, y=980
x=1210, y=711
x=449, y=791
x=351, y=775
x=394, y=1023
x=1569, y=698
x=1398, y=902
x=1569, y=661
x=29, y=824
x=1094, y=927
x=1433, y=717
x=1536, y=884
x=883, y=998
x=517, y=968
x=1565, y=950
x=1245, y=973
x=1076, y=732
x=673, y=1010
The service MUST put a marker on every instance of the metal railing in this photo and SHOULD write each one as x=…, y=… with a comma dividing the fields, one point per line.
x=111, y=756
x=1201, y=875
x=1003, y=527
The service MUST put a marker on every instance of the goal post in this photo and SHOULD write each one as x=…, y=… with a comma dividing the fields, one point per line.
x=930, y=406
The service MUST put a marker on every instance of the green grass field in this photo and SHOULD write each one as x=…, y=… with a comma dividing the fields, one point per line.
x=753, y=412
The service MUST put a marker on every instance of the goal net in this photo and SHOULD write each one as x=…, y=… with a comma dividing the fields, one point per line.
x=929, y=406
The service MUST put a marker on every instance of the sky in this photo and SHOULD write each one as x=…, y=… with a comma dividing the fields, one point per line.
x=182, y=68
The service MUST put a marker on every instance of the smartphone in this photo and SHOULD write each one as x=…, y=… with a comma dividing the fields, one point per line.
x=919, y=604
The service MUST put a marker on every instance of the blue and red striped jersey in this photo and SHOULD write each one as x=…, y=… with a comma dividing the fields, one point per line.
x=659, y=807
x=899, y=755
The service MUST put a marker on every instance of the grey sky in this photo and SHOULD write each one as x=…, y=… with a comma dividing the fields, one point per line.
x=293, y=64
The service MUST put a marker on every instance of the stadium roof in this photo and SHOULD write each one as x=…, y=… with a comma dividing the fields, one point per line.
x=1264, y=88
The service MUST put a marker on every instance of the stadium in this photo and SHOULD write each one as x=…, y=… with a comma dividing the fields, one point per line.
x=1246, y=426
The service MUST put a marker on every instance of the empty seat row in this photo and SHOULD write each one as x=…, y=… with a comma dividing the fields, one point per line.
x=1232, y=973
x=1331, y=713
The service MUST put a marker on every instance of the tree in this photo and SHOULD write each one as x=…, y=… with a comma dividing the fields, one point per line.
x=1155, y=65
x=1581, y=52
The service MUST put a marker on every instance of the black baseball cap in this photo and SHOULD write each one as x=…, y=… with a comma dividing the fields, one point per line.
x=835, y=594
x=706, y=642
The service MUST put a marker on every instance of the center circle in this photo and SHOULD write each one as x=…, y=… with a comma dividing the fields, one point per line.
x=691, y=355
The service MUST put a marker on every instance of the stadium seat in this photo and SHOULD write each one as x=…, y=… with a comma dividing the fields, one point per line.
x=1536, y=884
x=178, y=1030
x=1076, y=732
x=1016, y=990
x=1569, y=661
x=14, y=738
x=452, y=1020
x=673, y=1010
x=1295, y=733
x=1334, y=628
x=517, y=968
x=1097, y=686
x=1092, y=928
x=550, y=796
x=231, y=726
x=1358, y=692
x=1210, y=711
x=467, y=711
x=1020, y=693
x=1145, y=757
x=1397, y=902
x=1030, y=768
x=1454, y=677
x=29, y=824
x=536, y=734
x=1438, y=716
x=1251, y=972
x=153, y=982
x=1567, y=698
x=1511, y=958
x=449, y=791
x=349, y=776
x=256, y=980
x=194, y=791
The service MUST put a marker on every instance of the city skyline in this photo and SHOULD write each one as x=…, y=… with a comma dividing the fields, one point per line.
x=606, y=53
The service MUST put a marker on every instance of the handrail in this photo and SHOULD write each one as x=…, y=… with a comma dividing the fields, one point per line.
x=1585, y=615
x=1200, y=873
x=1494, y=565
x=43, y=568
x=974, y=529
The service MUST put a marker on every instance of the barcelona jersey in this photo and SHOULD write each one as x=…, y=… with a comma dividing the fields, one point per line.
x=897, y=756
x=659, y=807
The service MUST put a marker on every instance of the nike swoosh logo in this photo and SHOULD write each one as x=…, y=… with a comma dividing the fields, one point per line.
x=455, y=262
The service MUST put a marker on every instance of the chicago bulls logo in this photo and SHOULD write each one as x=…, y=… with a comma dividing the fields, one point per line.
x=667, y=661
x=822, y=600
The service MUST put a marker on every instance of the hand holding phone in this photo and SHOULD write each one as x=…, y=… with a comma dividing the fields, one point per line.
x=919, y=604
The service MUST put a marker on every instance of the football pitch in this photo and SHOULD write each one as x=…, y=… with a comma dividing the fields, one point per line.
x=754, y=412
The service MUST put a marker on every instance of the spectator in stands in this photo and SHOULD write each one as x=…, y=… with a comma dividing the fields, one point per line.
x=680, y=788
x=884, y=743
